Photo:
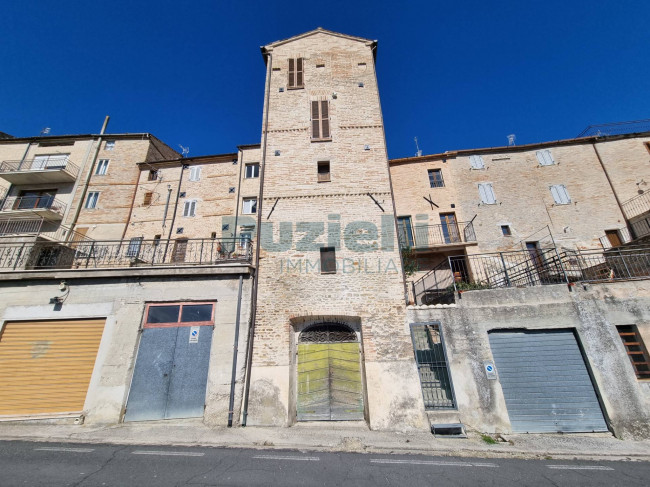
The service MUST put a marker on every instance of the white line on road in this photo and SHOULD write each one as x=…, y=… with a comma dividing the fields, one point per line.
x=431, y=462
x=276, y=457
x=71, y=450
x=578, y=467
x=168, y=453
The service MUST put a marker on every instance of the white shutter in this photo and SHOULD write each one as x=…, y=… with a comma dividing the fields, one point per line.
x=560, y=194
x=544, y=157
x=195, y=173
x=476, y=162
x=190, y=207
x=486, y=193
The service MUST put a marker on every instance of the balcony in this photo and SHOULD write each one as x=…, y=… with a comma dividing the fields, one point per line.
x=432, y=237
x=91, y=254
x=44, y=206
x=46, y=169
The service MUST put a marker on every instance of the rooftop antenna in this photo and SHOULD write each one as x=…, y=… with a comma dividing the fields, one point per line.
x=45, y=131
x=419, y=152
x=185, y=150
x=511, y=139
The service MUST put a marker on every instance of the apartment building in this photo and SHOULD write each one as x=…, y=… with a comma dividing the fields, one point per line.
x=307, y=278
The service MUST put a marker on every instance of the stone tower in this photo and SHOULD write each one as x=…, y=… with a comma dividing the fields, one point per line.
x=331, y=339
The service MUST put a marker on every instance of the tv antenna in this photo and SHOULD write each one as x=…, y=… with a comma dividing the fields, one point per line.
x=45, y=131
x=184, y=150
x=419, y=152
x=511, y=139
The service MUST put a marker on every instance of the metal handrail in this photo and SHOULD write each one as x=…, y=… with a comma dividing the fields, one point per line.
x=637, y=205
x=425, y=236
x=55, y=164
x=41, y=202
x=136, y=252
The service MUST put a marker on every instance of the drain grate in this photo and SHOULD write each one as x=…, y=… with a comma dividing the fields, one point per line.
x=450, y=430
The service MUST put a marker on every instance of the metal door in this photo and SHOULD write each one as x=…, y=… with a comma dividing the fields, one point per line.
x=545, y=382
x=171, y=373
x=329, y=375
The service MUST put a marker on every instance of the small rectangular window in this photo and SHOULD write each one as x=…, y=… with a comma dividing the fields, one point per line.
x=435, y=178
x=432, y=366
x=250, y=206
x=179, y=314
x=327, y=260
x=109, y=145
x=320, y=120
x=476, y=162
x=134, y=246
x=505, y=230
x=102, y=167
x=323, y=171
x=147, y=198
x=190, y=208
x=486, y=194
x=252, y=170
x=544, y=157
x=91, y=200
x=296, y=73
x=195, y=173
x=560, y=194
x=156, y=240
x=636, y=350
x=153, y=174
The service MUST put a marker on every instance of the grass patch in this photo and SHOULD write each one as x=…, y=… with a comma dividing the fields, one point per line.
x=488, y=439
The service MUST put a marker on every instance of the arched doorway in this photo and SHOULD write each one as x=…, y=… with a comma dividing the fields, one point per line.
x=329, y=374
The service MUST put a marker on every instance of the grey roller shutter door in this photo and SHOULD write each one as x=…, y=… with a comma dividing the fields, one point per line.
x=545, y=382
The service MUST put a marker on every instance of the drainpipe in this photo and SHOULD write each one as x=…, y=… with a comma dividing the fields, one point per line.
x=618, y=202
x=240, y=156
x=29, y=144
x=251, y=330
x=234, y=355
x=87, y=182
x=171, y=226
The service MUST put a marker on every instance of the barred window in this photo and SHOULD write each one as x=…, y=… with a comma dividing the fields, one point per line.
x=431, y=360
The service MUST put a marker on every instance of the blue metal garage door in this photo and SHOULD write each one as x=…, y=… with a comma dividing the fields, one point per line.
x=170, y=375
x=545, y=382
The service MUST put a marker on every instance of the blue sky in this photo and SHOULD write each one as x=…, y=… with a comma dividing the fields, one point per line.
x=457, y=75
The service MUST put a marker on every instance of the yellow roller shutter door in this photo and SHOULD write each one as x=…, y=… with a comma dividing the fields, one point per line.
x=45, y=366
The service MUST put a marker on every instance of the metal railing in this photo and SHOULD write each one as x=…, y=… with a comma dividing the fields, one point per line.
x=637, y=205
x=51, y=163
x=427, y=236
x=123, y=253
x=16, y=226
x=41, y=202
x=40, y=227
x=641, y=227
x=527, y=268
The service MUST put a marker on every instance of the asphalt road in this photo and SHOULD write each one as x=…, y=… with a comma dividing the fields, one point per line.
x=56, y=464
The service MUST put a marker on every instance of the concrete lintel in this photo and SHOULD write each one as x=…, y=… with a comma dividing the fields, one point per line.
x=127, y=272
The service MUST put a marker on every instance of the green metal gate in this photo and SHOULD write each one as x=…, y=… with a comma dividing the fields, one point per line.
x=329, y=374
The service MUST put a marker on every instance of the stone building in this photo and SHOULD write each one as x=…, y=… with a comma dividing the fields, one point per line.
x=272, y=284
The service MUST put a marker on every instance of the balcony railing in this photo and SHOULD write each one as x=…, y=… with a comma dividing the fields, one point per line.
x=529, y=268
x=40, y=202
x=636, y=206
x=123, y=253
x=50, y=163
x=428, y=236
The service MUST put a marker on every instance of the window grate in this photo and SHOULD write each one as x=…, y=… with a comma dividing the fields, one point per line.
x=431, y=360
x=435, y=178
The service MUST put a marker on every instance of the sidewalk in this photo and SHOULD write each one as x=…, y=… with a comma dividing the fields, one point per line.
x=344, y=437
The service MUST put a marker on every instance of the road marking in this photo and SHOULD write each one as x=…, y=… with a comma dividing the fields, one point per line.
x=578, y=467
x=71, y=450
x=168, y=453
x=431, y=462
x=277, y=457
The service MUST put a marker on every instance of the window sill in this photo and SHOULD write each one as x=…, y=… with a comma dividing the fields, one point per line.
x=324, y=180
x=327, y=139
x=296, y=87
x=328, y=272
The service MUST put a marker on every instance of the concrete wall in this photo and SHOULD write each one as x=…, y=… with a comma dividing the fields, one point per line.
x=593, y=311
x=121, y=301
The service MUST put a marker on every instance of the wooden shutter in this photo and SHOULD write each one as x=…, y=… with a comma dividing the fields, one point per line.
x=292, y=73
x=299, y=72
x=315, y=120
x=325, y=119
x=147, y=198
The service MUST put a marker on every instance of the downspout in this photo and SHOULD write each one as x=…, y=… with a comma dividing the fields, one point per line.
x=234, y=354
x=618, y=202
x=87, y=182
x=29, y=144
x=241, y=163
x=171, y=226
x=251, y=330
